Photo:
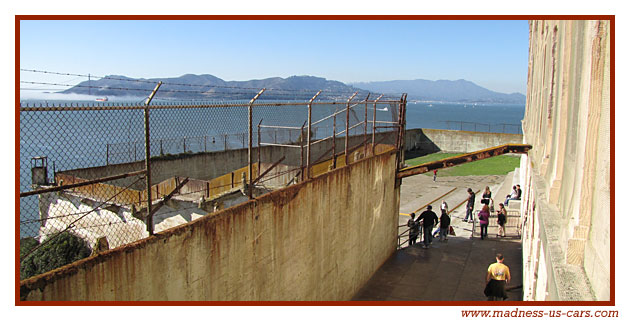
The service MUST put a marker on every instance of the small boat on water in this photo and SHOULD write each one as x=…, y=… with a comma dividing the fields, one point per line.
x=102, y=99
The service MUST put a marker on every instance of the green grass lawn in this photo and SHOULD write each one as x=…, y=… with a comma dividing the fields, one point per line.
x=498, y=165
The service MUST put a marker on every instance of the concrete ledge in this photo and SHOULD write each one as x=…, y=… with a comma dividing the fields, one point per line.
x=514, y=205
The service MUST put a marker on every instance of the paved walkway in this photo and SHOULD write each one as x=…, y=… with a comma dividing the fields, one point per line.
x=454, y=270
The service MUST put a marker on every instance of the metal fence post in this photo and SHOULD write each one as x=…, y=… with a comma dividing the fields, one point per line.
x=374, y=125
x=107, y=155
x=302, y=151
x=249, y=148
x=147, y=158
x=365, y=124
x=334, y=140
x=308, y=139
x=258, y=148
x=348, y=126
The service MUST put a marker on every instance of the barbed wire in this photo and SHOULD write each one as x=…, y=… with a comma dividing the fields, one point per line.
x=305, y=91
x=147, y=90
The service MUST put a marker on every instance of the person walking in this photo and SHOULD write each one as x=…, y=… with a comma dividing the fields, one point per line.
x=486, y=196
x=434, y=174
x=484, y=220
x=497, y=277
x=443, y=209
x=470, y=205
x=429, y=219
x=501, y=219
x=414, y=229
x=445, y=222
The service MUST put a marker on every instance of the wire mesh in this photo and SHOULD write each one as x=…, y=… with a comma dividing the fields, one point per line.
x=99, y=150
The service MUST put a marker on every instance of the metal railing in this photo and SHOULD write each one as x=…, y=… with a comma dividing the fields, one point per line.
x=512, y=224
x=483, y=127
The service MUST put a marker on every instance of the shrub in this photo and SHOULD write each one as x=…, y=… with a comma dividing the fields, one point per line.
x=63, y=249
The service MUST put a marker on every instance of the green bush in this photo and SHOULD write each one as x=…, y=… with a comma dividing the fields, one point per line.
x=63, y=249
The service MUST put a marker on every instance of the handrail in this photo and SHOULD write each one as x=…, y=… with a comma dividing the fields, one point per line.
x=435, y=200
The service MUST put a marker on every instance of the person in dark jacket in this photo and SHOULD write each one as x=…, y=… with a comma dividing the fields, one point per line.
x=470, y=205
x=429, y=219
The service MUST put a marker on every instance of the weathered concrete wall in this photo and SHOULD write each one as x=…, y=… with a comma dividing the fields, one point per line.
x=318, y=240
x=567, y=173
x=207, y=166
x=436, y=140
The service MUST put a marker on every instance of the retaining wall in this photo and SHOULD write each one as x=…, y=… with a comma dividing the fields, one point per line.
x=318, y=240
x=439, y=140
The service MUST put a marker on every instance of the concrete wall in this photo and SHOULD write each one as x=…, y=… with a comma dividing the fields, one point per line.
x=318, y=240
x=207, y=166
x=436, y=140
x=567, y=173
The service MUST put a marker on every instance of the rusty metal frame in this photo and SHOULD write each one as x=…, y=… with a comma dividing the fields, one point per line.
x=374, y=124
x=87, y=107
x=147, y=156
x=308, y=147
x=249, y=147
x=465, y=158
x=365, y=123
x=166, y=198
x=347, y=125
x=90, y=182
x=268, y=169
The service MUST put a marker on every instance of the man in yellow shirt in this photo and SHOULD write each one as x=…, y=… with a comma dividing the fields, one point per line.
x=497, y=277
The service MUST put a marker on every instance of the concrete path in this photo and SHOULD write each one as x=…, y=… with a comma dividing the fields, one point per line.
x=451, y=271
x=454, y=270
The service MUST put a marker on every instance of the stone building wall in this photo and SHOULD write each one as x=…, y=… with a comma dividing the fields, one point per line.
x=566, y=176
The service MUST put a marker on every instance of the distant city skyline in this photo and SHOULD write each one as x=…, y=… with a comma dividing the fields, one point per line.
x=492, y=54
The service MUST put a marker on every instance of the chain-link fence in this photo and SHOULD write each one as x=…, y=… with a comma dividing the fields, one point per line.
x=84, y=170
x=483, y=127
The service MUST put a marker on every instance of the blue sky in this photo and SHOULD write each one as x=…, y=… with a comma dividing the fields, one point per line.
x=492, y=54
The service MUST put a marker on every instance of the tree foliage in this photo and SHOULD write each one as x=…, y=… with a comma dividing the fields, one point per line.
x=63, y=249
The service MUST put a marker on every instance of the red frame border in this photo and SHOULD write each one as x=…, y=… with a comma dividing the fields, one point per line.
x=19, y=18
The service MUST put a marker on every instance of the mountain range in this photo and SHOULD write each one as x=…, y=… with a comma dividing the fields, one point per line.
x=207, y=86
x=442, y=90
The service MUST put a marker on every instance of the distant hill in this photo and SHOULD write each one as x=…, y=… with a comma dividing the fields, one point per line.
x=441, y=90
x=210, y=87
x=206, y=86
